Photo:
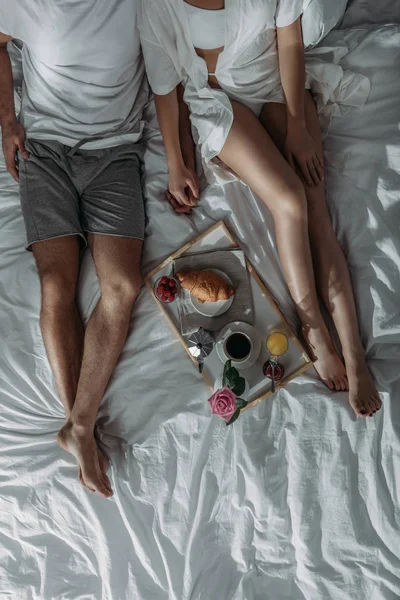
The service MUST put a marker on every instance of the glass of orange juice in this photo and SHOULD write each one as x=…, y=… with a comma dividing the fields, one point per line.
x=277, y=343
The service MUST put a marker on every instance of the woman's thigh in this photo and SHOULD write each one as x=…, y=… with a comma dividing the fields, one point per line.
x=274, y=119
x=250, y=152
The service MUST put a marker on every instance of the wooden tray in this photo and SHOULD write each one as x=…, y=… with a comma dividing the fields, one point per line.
x=267, y=317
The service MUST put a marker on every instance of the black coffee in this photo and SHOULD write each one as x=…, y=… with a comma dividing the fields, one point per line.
x=238, y=346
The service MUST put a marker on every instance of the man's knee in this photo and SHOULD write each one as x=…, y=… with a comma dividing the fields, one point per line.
x=57, y=262
x=58, y=288
x=120, y=291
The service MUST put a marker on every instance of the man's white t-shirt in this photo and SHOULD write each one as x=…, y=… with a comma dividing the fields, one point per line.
x=83, y=69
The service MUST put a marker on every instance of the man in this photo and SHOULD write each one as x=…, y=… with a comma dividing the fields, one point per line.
x=76, y=156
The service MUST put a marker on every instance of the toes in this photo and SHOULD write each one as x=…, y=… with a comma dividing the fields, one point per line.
x=373, y=406
x=329, y=383
x=376, y=404
x=343, y=386
x=337, y=385
x=102, y=489
x=361, y=409
x=370, y=407
x=107, y=483
x=96, y=481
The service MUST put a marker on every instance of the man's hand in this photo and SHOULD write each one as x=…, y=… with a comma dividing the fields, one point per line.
x=13, y=140
x=301, y=149
x=183, y=189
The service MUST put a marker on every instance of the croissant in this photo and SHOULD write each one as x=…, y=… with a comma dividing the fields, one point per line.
x=206, y=286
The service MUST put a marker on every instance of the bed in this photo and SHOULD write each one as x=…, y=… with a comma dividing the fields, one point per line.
x=299, y=500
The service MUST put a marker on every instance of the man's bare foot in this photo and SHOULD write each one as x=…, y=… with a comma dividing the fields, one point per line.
x=326, y=360
x=104, y=466
x=363, y=397
x=80, y=441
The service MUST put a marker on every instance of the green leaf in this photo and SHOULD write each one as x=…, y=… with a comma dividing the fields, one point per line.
x=227, y=367
x=232, y=375
x=235, y=416
x=240, y=403
x=239, y=386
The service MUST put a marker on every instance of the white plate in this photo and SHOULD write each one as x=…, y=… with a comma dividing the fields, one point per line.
x=213, y=309
x=251, y=332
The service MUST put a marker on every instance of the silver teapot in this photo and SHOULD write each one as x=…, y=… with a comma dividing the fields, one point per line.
x=200, y=345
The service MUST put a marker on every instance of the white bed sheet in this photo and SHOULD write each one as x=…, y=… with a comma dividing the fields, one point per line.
x=299, y=500
x=362, y=12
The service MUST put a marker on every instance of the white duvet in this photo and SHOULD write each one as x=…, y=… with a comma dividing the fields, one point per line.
x=299, y=500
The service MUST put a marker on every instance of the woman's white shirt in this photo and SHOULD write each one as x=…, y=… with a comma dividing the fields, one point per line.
x=247, y=69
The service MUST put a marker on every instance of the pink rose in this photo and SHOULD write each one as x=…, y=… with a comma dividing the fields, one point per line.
x=223, y=403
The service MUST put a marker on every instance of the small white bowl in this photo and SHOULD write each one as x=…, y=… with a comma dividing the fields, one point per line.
x=159, y=298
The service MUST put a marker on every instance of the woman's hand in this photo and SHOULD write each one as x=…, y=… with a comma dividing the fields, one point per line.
x=183, y=188
x=301, y=150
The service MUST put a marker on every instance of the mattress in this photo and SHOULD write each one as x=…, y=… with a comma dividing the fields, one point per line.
x=299, y=500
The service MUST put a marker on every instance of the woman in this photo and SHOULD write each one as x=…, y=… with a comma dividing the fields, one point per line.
x=242, y=65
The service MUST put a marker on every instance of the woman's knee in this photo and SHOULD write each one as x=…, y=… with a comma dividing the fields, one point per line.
x=292, y=202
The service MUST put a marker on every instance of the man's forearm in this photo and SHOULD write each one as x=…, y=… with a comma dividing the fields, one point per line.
x=7, y=107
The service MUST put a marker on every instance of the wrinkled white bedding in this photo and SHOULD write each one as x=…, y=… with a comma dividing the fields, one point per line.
x=297, y=501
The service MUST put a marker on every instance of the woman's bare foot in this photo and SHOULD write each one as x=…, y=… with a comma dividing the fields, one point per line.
x=80, y=441
x=326, y=360
x=363, y=397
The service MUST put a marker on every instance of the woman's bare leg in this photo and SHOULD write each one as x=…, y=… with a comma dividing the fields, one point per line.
x=331, y=271
x=251, y=153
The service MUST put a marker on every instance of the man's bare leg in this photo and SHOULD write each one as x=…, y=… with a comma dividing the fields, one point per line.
x=58, y=264
x=331, y=270
x=117, y=262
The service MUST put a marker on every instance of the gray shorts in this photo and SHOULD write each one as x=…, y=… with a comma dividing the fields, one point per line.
x=67, y=191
